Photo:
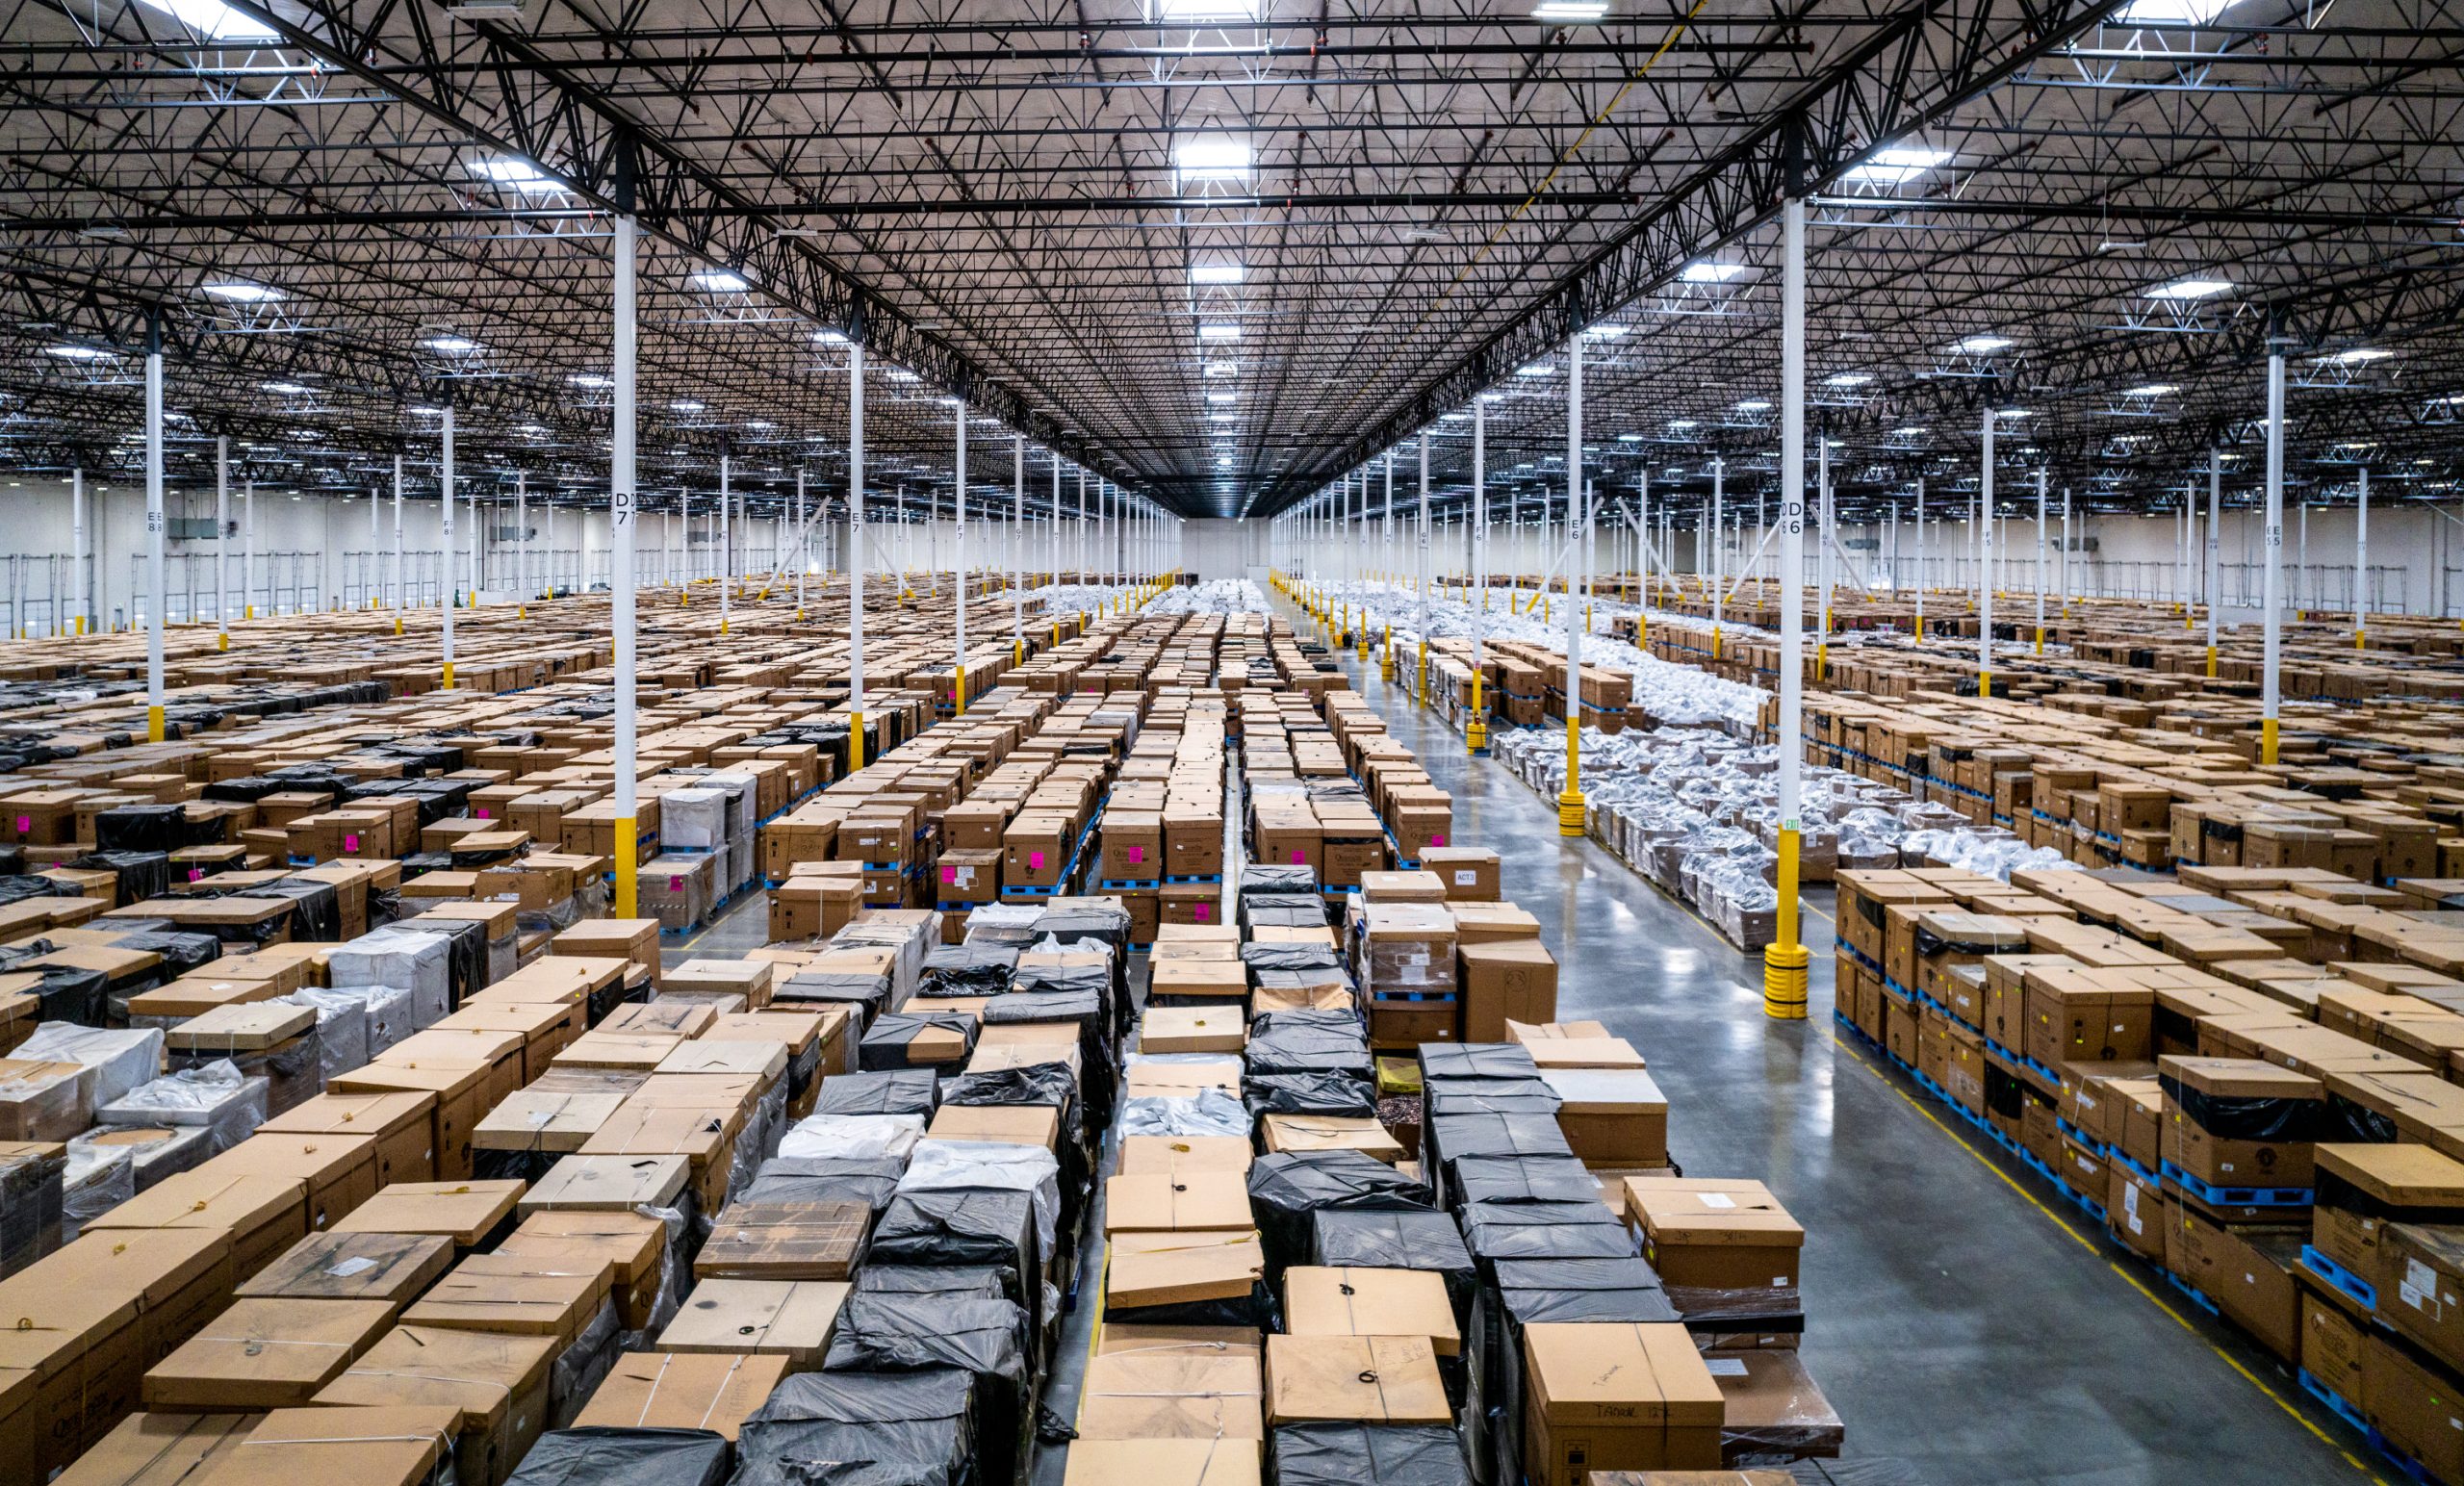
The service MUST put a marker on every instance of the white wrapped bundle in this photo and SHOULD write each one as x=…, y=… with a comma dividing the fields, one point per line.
x=404, y=958
x=120, y=1060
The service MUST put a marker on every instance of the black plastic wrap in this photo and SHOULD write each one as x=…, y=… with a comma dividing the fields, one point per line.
x=71, y=995
x=1308, y=1093
x=1283, y=910
x=1256, y=1311
x=2280, y=1121
x=872, y=1182
x=1863, y=1471
x=1489, y=1096
x=863, y=1429
x=1364, y=1239
x=1346, y=1454
x=1606, y=1290
x=1290, y=1049
x=1259, y=880
x=885, y=1043
x=596, y=1456
x=968, y=969
x=1035, y=998
x=1496, y=1231
x=885, y=1332
x=466, y=952
x=1440, y=1061
x=1451, y=1137
x=1286, y=1188
x=1103, y=922
x=1520, y=1179
x=1040, y=1083
x=967, y=1225
x=141, y=875
x=317, y=917
x=1290, y=956
x=13, y=860
x=981, y=1281
x=1305, y=1019
x=880, y=1091
x=868, y=995
x=159, y=829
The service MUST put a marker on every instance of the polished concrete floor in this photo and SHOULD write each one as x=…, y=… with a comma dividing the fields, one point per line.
x=1955, y=1318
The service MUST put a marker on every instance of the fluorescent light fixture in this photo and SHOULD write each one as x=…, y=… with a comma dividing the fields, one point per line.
x=2151, y=390
x=1629, y=437
x=424, y=410
x=1983, y=344
x=1571, y=12
x=215, y=21
x=1211, y=156
x=1454, y=417
x=1897, y=164
x=1221, y=396
x=591, y=380
x=2172, y=13
x=1606, y=331
x=511, y=170
x=450, y=344
x=686, y=405
x=1910, y=433
x=1222, y=368
x=242, y=291
x=284, y=389
x=533, y=429
x=761, y=424
x=2192, y=289
x=830, y=338
x=901, y=374
x=68, y=352
x=1680, y=425
x=1219, y=332
x=1221, y=417
x=2360, y=355
x=1215, y=272
x=1848, y=379
x=721, y=281
x=1754, y=405
x=1707, y=271
x=1536, y=369
x=1194, y=11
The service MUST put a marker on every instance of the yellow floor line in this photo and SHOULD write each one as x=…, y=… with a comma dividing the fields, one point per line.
x=2089, y=1244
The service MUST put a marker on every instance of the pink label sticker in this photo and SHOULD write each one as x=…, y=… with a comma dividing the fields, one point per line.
x=1203, y=911
x=483, y=813
x=25, y=823
x=196, y=874
x=1297, y=855
x=949, y=874
x=1439, y=839
x=1138, y=854
x=676, y=884
x=1035, y=862
x=350, y=841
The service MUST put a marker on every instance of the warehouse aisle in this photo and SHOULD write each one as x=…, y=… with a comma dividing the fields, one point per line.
x=1955, y=1321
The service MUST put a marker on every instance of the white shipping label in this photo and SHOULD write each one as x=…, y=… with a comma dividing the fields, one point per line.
x=2419, y=1283
x=1719, y=1199
x=1725, y=1366
x=357, y=1264
x=1466, y=877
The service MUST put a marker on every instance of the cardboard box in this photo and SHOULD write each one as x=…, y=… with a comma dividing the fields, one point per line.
x=785, y=1241
x=1169, y=1269
x=1511, y=980
x=488, y=1391
x=266, y=1353
x=1713, y=1233
x=683, y=1391
x=391, y=1446
x=513, y=1292
x=1183, y=1201
x=1364, y=1379
x=1358, y=1302
x=392, y=1267
x=1470, y=873
x=1210, y=1396
x=468, y=1212
x=788, y=1318
x=1194, y=1462
x=1616, y=1397
x=2192, y=1084
x=155, y=1449
x=1612, y=1117
x=1193, y=1029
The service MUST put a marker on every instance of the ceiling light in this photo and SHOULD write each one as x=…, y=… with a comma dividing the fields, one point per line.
x=1709, y=273
x=450, y=344
x=286, y=389
x=1848, y=379
x=1571, y=12
x=591, y=380
x=1754, y=405
x=1910, y=433
x=1897, y=164
x=1629, y=437
x=2151, y=390
x=901, y=374
x=1214, y=272
x=1192, y=12
x=2172, y=13
x=686, y=405
x=1222, y=368
x=1211, y=156
x=1680, y=425
x=1983, y=344
x=533, y=429
x=78, y=352
x=2190, y=288
x=830, y=338
x=1536, y=369
x=2358, y=355
x=1221, y=417
x=721, y=281
x=242, y=291
x=511, y=170
x=1221, y=396
x=215, y=21
x=1606, y=332
x=1219, y=332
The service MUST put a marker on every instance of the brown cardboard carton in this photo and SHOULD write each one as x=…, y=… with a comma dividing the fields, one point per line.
x=785, y=1241
x=1767, y=1399
x=1616, y=1397
x=392, y=1267
x=2414, y=1406
x=1366, y=1379
x=1210, y=1394
x=1512, y=980
x=516, y=1292
x=258, y=1217
x=465, y=1212
x=2332, y=1347
x=392, y=1446
x=1714, y=1233
x=491, y=1388
x=1612, y=1117
x=683, y=1391
x=789, y=1318
x=157, y=1450
x=1169, y=1268
x=402, y=1122
x=1165, y=1155
x=1193, y=1029
x=1358, y=1302
x=635, y=1245
x=2362, y=1189
x=1185, y=1201
x=265, y=1354
x=1327, y=1133
x=1162, y=1463
x=996, y=1124
x=2194, y=1084
x=2248, y=1271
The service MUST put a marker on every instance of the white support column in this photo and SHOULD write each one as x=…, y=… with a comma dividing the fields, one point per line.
x=1785, y=961
x=2041, y=568
x=1985, y=559
x=2062, y=567
x=1920, y=558
x=1475, y=729
x=804, y=544
x=857, y=559
x=154, y=523
x=958, y=501
x=77, y=549
x=623, y=509
x=222, y=548
x=523, y=591
x=727, y=541
x=1017, y=534
x=445, y=505
x=2272, y=560
x=1570, y=803
x=401, y=576
x=1719, y=596
x=1420, y=564
x=2215, y=550
x=249, y=547
x=375, y=558
x=2360, y=565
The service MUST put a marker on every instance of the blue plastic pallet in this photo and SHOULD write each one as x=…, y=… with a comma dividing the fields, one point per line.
x=1128, y=884
x=2235, y=1196
x=1174, y=878
x=2360, y=1291
x=2095, y=1147
x=2333, y=1401
x=2194, y=1295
